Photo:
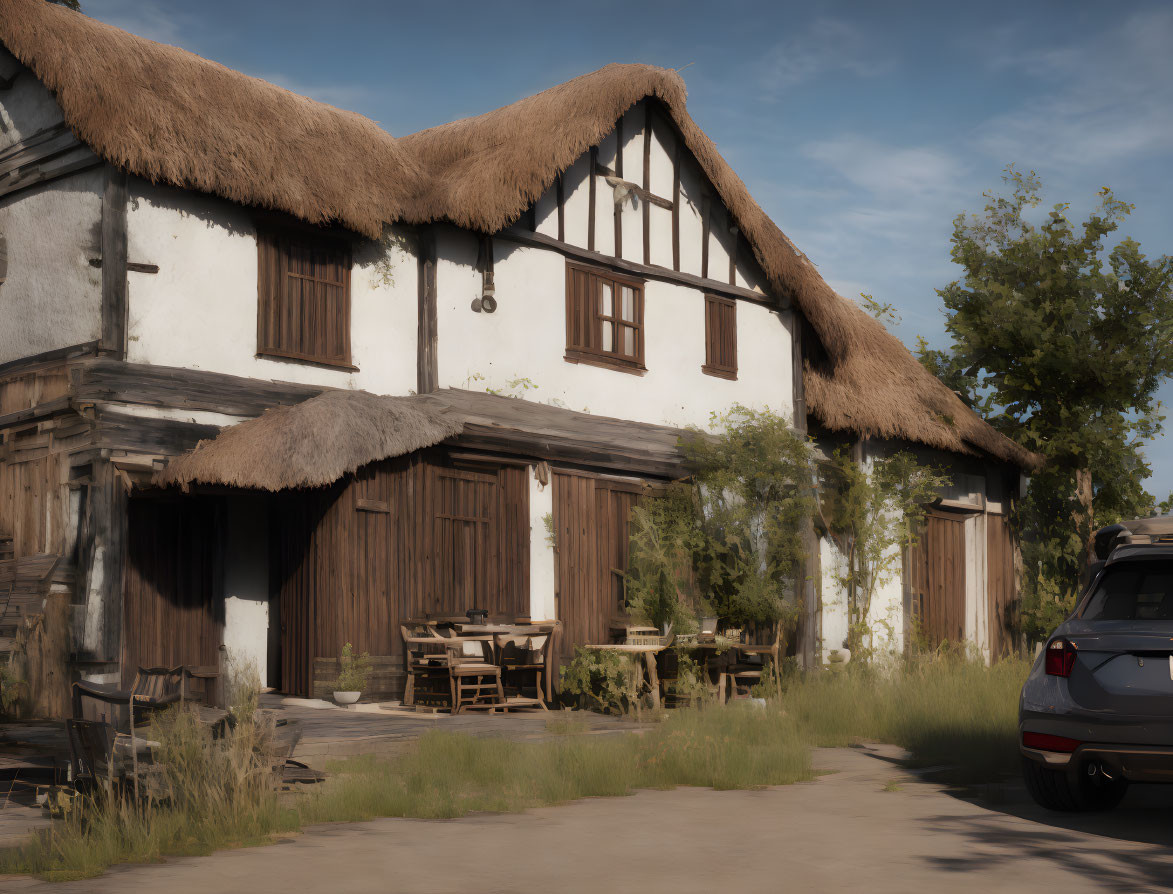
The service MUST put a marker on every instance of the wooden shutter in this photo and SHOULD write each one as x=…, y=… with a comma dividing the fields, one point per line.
x=303, y=298
x=720, y=337
x=604, y=318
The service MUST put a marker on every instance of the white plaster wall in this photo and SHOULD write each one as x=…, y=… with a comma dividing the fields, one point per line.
x=693, y=185
x=526, y=339
x=200, y=310
x=834, y=621
x=51, y=297
x=27, y=106
x=246, y=583
x=542, y=571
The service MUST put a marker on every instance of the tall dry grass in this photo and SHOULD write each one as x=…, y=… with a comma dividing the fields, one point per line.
x=217, y=793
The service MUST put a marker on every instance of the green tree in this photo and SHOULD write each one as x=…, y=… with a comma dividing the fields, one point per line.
x=729, y=539
x=1061, y=344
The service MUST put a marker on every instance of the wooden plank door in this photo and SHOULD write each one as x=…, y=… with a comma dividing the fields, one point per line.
x=591, y=532
x=936, y=579
x=173, y=598
x=465, y=542
x=1001, y=585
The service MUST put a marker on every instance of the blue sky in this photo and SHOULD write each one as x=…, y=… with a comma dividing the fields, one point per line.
x=861, y=128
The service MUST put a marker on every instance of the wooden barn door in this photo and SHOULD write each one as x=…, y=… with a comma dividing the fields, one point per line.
x=936, y=570
x=465, y=542
x=591, y=528
x=173, y=600
x=1002, y=586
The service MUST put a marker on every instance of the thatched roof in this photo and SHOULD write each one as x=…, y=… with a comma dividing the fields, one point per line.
x=483, y=172
x=173, y=117
x=312, y=443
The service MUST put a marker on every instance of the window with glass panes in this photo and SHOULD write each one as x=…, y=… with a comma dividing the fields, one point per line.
x=604, y=318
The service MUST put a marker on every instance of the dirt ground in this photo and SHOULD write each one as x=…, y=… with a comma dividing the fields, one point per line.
x=868, y=826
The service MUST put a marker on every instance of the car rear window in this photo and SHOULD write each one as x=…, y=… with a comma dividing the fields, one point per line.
x=1140, y=592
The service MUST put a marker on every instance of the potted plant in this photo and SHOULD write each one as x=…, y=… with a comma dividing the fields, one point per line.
x=352, y=675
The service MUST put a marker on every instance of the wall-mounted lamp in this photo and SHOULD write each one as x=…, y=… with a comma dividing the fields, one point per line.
x=487, y=302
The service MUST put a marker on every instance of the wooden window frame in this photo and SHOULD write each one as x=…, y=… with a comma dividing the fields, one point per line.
x=267, y=345
x=713, y=365
x=596, y=356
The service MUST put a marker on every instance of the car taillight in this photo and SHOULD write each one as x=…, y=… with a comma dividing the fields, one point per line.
x=1060, y=658
x=1045, y=742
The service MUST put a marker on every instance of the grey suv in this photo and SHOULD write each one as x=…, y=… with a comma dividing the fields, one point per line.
x=1096, y=712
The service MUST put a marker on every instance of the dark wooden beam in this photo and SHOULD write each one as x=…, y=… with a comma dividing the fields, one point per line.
x=560, y=189
x=731, y=225
x=101, y=549
x=647, y=186
x=42, y=156
x=427, y=360
x=676, y=204
x=132, y=266
x=100, y=379
x=143, y=434
x=114, y=248
x=618, y=206
x=591, y=174
x=56, y=357
x=705, y=212
x=646, y=271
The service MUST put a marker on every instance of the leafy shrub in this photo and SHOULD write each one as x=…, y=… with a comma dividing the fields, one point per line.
x=603, y=681
x=353, y=670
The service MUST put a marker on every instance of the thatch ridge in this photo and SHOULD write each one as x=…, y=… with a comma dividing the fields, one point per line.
x=173, y=117
x=170, y=116
x=483, y=172
x=312, y=443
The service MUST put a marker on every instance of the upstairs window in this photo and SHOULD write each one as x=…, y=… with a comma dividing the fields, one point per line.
x=604, y=319
x=303, y=297
x=720, y=337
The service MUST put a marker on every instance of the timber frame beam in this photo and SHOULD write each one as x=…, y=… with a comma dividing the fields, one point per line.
x=648, y=271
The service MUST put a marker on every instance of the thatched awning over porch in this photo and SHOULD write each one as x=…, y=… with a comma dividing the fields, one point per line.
x=312, y=443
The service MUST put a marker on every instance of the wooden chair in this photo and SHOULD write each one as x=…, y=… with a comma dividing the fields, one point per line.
x=744, y=675
x=473, y=681
x=524, y=655
x=425, y=660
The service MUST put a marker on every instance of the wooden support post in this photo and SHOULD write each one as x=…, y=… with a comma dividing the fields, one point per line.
x=810, y=569
x=647, y=182
x=561, y=208
x=618, y=206
x=734, y=239
x=591, y=175
x=114, y=260
x=427, y=361
x=705, y=212
x=676, y=206
x=101, y=553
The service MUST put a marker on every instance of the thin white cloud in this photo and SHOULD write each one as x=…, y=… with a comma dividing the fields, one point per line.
x=826, y=46
x=886, y=170
x=1100, y=103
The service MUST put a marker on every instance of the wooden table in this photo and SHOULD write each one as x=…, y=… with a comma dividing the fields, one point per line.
x=649, y=654
x=465, y=628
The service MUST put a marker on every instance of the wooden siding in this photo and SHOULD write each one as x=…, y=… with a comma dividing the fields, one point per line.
x=936, y=570
x=401, y=538
x=1001, y=554
x=173, y=598
x=591, y=551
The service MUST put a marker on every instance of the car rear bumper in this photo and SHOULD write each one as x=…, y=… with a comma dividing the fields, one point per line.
x=1136, y=763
